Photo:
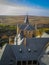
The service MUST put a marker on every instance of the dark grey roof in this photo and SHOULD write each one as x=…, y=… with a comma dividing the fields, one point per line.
x=27, y=27
x=36, y=46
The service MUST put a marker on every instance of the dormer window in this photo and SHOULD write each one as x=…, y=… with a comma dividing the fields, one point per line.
x=29, y=50
x=20, y=50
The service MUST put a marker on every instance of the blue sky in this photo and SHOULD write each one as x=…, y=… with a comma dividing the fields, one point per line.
x=41, y=3
x=21, y=7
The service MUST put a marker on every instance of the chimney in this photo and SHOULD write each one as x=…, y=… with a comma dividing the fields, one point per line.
x=24, y=41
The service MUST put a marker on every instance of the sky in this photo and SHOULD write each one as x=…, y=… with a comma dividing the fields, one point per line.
x=23, y=7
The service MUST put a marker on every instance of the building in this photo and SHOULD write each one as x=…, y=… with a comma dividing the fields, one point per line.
x=27, y=29
x=35, y=52
x=26, y=48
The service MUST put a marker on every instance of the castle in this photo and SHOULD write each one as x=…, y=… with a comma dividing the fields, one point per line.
x=26, y=49
x=25, y=30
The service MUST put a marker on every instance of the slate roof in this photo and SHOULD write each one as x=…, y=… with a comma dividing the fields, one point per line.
x=2, y=50
x=36, y=46
x=26, y=27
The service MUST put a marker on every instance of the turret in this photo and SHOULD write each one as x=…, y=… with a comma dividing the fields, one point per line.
x=17, y=39
x=17, y=30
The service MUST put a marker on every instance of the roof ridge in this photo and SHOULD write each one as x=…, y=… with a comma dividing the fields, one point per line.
x=26, y=27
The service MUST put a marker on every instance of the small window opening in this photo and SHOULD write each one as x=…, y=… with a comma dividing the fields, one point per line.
x=29, y=62
x=18, y=62
x=23, y=62
x=20, y=50
x=35, y=62
x=29, y=50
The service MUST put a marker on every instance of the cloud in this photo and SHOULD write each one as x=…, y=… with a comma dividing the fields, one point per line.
x=6, y=9
x=2, y=1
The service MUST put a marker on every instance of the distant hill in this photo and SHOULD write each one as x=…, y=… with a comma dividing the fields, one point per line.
x=13, y=20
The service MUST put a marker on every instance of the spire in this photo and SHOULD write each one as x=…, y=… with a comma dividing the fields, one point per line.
x=26, y=19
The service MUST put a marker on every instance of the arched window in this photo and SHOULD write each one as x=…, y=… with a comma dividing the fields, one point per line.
x=35, y=62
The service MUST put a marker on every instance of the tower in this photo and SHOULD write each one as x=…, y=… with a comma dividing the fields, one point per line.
x=17, y=39
x=26, y=21
x=17, y=30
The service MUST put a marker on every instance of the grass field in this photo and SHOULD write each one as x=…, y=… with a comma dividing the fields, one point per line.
x=13, y=20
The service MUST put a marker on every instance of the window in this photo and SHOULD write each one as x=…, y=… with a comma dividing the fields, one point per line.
x=33, y=35
x=35, y=62
x=18, y=62
x=29, y=50
x=29, y=62
x=23, y=62
x=20, y=50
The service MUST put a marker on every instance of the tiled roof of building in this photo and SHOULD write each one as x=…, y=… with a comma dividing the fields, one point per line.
x=35, y=47
x=2, y=50
x=27, y=27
